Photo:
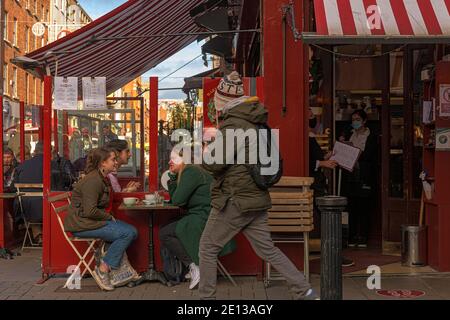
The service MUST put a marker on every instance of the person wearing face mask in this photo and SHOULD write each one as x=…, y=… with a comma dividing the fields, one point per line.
x=318, y=161
x=358, y=185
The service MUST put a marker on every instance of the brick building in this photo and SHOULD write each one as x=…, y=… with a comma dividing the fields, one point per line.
x=19, y=18
x=66, y=17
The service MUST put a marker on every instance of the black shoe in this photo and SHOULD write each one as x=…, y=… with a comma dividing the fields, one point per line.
x=352, y=244
x=361, y=242
x=347, y=262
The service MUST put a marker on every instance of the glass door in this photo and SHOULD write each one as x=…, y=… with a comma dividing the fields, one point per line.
x=402, y=143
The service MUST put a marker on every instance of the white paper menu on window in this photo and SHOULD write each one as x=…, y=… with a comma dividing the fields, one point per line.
x=66, y=93
x=94, y=92
x=345, y=155
x=444, y=100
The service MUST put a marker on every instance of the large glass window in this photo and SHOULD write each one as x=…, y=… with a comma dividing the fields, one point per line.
x=85, y=130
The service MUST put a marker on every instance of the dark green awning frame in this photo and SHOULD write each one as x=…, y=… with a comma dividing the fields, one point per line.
x=314, y=38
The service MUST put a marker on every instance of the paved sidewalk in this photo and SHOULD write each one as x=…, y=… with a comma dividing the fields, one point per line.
x=18, y=279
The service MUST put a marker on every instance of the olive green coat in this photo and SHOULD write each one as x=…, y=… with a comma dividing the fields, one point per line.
x=234, y=180
x=90, y=198
x=192, y=192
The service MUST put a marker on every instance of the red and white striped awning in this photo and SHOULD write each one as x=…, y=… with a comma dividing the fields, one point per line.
x=383, y=20
x=81, y=54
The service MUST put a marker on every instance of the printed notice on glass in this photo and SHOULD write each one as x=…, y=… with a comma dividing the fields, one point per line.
x=94, y=92
x=442, y=139
x=444, y=99
x=345, y=155
x=66, y=93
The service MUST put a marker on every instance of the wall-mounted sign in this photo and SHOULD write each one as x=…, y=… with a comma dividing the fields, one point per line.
x=66, y=93
x=94, y=92
x=444, y=100
x=442, y=139
x=38, y=29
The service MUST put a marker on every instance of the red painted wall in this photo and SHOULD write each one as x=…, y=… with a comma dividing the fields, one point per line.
x=437, y=210
x=292, y=127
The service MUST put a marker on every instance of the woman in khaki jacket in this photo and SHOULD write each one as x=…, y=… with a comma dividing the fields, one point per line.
x=87, y=217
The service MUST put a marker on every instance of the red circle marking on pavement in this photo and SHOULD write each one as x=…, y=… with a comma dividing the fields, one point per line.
x=405, y=294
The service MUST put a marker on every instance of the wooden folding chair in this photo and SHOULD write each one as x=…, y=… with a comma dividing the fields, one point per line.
x=225, y=272
x=24, y=194
x=91, y=242
x=291, y=216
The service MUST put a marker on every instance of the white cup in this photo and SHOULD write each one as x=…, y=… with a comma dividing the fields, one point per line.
x=150, y=198
x=130, y=201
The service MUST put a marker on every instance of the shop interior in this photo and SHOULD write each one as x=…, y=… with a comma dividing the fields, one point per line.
x=388, y=82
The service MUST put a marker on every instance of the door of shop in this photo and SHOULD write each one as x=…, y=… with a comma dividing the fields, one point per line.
x=402, y=141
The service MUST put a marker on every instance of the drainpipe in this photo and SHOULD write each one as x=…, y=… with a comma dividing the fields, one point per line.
x=2, y=45
x=284, y=107
x=2, y=59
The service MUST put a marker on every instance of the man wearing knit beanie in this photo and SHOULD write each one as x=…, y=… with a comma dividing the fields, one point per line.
x=238, y=204
x=229, y=88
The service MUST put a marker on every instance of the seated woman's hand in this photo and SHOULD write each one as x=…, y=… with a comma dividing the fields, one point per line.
x=132, y=186
x=172, y=175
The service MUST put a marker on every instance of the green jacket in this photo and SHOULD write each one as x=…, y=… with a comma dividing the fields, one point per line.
x=90, y=198
x=233, y=180
x=193, y=193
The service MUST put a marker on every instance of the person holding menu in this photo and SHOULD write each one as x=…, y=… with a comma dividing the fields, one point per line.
x=358, y=185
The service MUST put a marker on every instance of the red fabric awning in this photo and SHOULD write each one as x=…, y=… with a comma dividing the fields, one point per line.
x=381, y=21
x=81, y=54
x=383, y=17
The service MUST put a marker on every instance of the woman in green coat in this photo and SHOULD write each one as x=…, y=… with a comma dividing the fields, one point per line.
x=189, y=187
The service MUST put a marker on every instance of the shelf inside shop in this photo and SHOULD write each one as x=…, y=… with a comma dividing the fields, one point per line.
x=396, y=151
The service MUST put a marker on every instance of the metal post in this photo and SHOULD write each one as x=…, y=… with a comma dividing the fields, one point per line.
x=153, y=134
x=55, y=131
x=22, y=131
x=331, y=208
x=339, y=182
x=283, y=36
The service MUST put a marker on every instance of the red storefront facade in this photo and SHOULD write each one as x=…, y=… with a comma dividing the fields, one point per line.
x=284, y=67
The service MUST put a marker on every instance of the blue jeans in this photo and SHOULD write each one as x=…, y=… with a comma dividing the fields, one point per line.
x=119, y=233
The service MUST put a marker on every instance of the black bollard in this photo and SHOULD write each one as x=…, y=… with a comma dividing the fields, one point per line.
x=331, y=208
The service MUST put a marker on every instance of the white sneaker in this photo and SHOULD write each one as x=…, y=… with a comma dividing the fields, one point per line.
x=194, y=275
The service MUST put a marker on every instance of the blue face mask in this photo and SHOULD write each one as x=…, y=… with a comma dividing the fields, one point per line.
x=356, y=124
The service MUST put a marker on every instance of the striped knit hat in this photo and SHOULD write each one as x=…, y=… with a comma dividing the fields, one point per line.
x=229, y=88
